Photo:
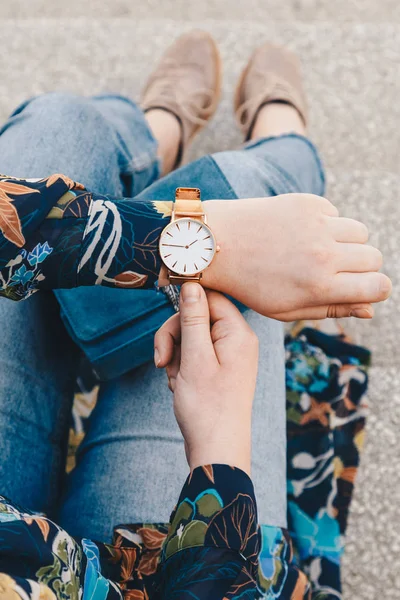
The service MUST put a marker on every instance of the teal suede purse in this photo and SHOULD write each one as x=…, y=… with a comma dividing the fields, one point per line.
x=115, y=328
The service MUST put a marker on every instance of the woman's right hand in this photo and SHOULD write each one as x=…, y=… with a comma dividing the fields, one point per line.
x=211, y=357
x=292, y=257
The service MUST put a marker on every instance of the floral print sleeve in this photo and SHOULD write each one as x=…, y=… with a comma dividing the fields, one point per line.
x=213, y=535
x=216, y=549
x=56, y=234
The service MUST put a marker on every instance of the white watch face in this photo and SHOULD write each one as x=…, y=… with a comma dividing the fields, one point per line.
x=187, y=246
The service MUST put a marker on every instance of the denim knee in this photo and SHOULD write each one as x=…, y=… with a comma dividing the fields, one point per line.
x=64, y=133
x=67, y=115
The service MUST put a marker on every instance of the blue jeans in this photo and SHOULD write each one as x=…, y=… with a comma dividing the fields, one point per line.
x=131, y=464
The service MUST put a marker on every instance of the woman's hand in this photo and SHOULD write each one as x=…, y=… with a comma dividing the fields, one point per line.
x=292, y=257
x=211, y=356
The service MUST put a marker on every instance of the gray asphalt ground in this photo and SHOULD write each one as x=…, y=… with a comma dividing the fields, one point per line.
x=351, y=56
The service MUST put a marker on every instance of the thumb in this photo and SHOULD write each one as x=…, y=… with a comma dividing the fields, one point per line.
x=196, y=344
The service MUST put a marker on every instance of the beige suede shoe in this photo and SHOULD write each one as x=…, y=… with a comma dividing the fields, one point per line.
x=271, y=75
x=187, y=83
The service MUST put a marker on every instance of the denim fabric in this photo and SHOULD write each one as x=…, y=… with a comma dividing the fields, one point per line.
x=133, y=441
x=271, y=166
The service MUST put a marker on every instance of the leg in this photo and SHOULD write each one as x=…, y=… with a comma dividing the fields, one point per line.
x=37, y=373
x=166, y=129
x=279, y=153
x=85, y=138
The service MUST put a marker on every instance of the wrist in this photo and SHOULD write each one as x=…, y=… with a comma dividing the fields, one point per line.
x=221, y=458
x=216, y=276
x=229, y=452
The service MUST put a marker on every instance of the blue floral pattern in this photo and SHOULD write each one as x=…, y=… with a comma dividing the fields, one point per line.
x=326, y=384
x=39, y=253
x=22, y=275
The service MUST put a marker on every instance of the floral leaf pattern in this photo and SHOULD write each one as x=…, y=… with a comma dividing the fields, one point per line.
x=67, y=180
x=10, y=224
x=43, y=525
x=235, y=526
x=163, y=207
x=22, y=275
x=152, y=538
x=16, y=189
x=149, y=563
x=130, y=279
x=208, y=470
x=39, y=253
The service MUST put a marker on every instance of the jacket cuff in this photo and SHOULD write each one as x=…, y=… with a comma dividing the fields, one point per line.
x=217, y=508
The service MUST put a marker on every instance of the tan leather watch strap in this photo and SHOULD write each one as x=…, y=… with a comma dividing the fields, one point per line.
x=187, y=204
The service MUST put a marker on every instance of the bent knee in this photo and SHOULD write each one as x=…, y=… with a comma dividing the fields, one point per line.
x=66, y=113
x=59, y=103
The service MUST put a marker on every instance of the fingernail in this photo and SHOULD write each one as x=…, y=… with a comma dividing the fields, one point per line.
x=361, y=313
x=386, y=286
x=190, y=292
x=156, y=357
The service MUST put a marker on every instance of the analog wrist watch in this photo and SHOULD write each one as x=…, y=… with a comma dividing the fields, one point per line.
x=187, y=245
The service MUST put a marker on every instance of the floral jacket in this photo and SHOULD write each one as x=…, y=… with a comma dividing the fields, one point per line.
x=213, y=547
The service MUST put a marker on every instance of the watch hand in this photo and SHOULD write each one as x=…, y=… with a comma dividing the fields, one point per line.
x=192, y=243
x=174, y=245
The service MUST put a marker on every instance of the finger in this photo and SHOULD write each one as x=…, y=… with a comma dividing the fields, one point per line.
x=196, y=345
x=333, y=311
x=358, y=258
x=346, y=288
x=327, y=207
x=173, y=366
x=348, y=230
x=230, y=332
x=222, y=308
x=165, y=340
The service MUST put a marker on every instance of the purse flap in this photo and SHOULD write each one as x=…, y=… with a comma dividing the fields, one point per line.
x=94, y=312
